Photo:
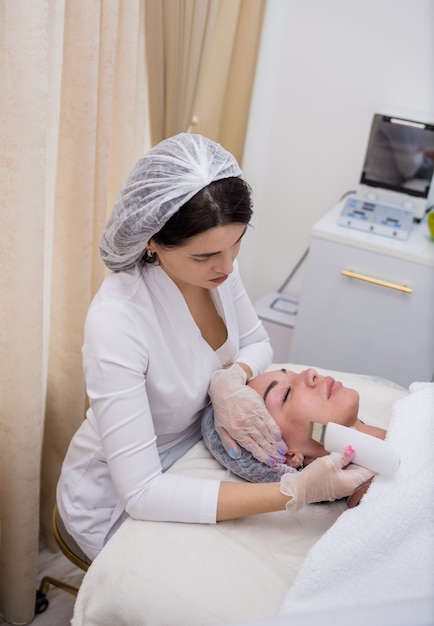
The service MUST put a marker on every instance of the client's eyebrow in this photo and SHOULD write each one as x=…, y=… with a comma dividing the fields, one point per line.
x=268, y=389
x=271, y=385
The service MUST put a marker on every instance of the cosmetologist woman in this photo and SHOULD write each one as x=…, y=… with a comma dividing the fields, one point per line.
x=172, y=313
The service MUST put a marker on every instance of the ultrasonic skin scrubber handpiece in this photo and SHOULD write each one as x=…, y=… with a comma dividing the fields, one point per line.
x=373, y=453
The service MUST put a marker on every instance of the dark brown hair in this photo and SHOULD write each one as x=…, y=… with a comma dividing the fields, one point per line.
x=225, y=201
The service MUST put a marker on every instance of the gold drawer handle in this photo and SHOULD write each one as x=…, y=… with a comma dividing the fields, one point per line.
x=376, y=281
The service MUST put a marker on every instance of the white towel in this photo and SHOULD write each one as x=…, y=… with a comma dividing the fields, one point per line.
x=382, y=550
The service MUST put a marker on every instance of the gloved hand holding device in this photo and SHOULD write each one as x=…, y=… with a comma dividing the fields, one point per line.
x=241, y=418
x=327, y=478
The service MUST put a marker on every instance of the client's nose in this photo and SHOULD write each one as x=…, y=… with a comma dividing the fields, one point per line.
x=311, y=376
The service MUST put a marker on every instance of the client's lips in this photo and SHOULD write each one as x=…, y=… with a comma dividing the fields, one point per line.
x=332, y=386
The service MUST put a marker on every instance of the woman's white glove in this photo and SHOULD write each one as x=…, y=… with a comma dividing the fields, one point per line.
x=241, y=419
x=328, y=478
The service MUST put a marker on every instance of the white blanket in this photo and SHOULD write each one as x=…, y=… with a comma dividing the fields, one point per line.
x=382, y=550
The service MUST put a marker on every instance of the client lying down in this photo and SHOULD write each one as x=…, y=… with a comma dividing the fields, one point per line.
x=294, y=400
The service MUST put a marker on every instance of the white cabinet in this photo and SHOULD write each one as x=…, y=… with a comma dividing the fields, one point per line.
x=360, y=324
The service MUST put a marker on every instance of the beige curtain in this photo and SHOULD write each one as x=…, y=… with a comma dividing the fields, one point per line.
x=74, y=119
x=73, y=111
x=201, y=64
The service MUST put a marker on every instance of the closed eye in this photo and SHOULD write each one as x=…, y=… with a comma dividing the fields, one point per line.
x=285, y=397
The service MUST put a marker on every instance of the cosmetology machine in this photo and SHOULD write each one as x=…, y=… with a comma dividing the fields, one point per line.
x=367, y=298
x=367, y=301
x=395, y=185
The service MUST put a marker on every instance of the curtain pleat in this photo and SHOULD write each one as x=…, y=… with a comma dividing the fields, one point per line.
x=74, y=109
x=201, y=57
x=175, y=40
x=240, y=77
x=24, y=196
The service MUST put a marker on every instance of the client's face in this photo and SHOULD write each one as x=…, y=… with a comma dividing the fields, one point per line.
x=295, y=400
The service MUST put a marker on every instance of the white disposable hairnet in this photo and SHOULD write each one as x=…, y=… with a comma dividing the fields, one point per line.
x=246, y=466
x=161, y=182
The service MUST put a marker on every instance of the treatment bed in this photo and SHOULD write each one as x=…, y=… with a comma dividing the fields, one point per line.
x=284, y=568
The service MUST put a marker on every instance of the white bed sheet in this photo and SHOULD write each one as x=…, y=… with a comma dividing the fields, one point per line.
x=162, y=574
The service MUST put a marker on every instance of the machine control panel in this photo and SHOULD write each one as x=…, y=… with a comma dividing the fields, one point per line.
x=375, y=217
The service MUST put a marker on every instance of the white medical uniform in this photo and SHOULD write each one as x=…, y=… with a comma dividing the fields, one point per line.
x=147, y=371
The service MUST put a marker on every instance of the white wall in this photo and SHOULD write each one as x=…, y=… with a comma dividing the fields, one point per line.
x=325, y=67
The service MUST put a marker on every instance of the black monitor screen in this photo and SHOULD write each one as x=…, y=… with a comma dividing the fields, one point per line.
x=400, y=156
